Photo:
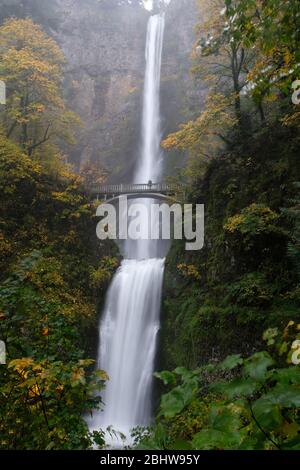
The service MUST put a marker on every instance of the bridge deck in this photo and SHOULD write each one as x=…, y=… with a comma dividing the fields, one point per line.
x=118, y=189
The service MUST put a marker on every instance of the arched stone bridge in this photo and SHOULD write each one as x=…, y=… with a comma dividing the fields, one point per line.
x=136, y=191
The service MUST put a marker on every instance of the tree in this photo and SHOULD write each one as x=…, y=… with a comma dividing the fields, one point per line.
x=219, y=52
x=221, y=59
x=92, y=174
x=275, y=32
x=261, y=42
x=31, y=65
x=248, y=52
x=207, y=134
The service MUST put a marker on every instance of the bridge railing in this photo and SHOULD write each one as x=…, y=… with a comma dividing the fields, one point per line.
x=114, y=189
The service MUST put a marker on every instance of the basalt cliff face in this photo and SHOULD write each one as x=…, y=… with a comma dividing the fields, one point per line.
x=104, y=45
x=105, y=51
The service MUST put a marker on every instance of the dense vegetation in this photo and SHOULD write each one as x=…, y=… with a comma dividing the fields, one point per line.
x=231, y=321
x=243, y=164
x=52, y=269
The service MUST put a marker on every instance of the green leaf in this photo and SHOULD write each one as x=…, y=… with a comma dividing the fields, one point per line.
x=209, y=439
x=168, y=378
x=289, y=375
x=225, y=418
x=237, y=388
x=186, y=374
x=231, y=362
x=177, y=399
x=285, y=396
x=267, y=414
x=257, y=365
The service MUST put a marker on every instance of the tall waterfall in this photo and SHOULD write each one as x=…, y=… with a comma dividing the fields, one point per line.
x=150, y=164
x=130, y=322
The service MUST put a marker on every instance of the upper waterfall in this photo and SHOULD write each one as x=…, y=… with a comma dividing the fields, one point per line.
x=150, y=165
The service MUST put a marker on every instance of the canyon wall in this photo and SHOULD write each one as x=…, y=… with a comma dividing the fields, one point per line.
x=105, y=51
x=104, y=45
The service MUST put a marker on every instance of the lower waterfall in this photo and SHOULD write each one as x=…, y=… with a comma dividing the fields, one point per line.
x=128, y=342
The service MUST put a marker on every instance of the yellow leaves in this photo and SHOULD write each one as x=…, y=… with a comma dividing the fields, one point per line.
x=29, y=35
x=255, y=219
x=37, y=368
x=101, y=276
x=66, y=172
x=21, y=365
x=102, y=375
x=288, y=57
x=45, y=331
x=206, y=129
x=78, y=374
x=189, y=271
x=86, y=362
x=67, y=197
x=31, y=65
x=55, y=433
x=234, y=223
x=59, y=196
x=39, y=108
x=34, y=392
x=78, y=377
x=26, y=69
x=292, y=119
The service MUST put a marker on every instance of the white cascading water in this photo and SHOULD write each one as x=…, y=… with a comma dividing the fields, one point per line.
x=130, y=322
x=150, y=164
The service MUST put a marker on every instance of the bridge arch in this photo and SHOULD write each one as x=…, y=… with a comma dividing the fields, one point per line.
x=132, y=196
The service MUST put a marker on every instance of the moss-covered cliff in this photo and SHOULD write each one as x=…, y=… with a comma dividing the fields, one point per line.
x=220, y=300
